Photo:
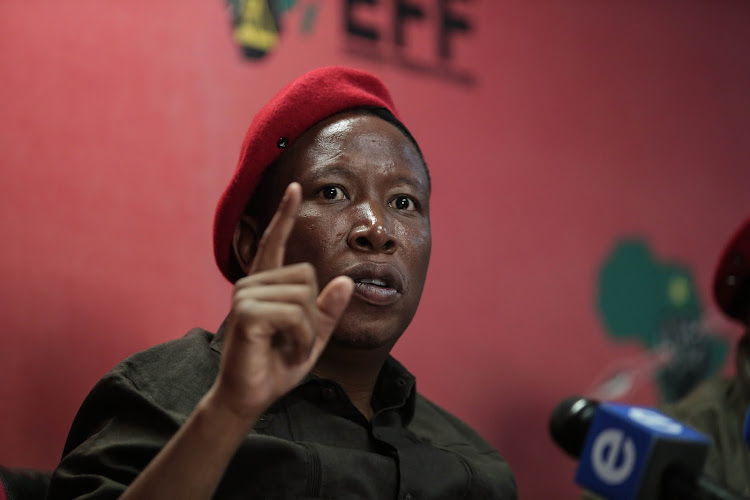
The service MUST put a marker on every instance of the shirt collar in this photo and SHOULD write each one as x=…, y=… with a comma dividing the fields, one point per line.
x=217, y=344
x=395, y=387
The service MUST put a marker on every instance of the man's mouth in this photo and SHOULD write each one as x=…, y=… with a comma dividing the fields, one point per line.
x=373, y=281
x=376, y=284
x=375, y=291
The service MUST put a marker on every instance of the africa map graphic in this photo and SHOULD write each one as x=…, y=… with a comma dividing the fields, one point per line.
x=654, y=302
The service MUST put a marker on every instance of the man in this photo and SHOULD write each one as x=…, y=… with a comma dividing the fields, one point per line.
x=719, y=406
x=296, y=396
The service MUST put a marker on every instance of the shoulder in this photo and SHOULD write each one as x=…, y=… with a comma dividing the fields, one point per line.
x=717, y=408
x=167, y=379
x=132, y=412
x=703, y=403
x=192, y=353
x=173, y=375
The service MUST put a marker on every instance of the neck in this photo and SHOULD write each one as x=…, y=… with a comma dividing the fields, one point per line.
x=355, y=370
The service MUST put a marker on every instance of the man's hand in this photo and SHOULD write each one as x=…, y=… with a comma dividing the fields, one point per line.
x=278, y=326
x=279, y=323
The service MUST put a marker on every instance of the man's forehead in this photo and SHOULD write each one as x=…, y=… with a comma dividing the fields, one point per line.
x=378, y=154
x=357, y=127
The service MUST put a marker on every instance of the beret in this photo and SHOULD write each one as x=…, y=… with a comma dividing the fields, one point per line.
x=305, y=101
x=732, y=278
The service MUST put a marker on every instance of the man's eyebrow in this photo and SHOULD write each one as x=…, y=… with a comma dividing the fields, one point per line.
x=333, y=170
x=413, y=182
x=327, y=171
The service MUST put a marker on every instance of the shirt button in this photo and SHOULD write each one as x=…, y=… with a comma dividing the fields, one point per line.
x=407, y=496
x=329, y=394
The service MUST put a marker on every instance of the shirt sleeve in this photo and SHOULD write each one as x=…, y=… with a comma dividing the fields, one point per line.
x=116, y=433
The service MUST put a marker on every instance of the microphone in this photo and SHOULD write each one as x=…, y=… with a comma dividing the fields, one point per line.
x=633, y=452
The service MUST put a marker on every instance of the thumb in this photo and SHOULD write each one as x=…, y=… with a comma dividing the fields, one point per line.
x=332, y=302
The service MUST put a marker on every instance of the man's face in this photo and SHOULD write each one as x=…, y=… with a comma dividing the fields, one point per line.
x=365, y=213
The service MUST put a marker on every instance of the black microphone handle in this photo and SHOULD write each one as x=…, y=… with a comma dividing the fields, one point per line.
x=679, y=485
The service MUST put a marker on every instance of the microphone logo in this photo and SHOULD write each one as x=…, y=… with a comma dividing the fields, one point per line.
x=613, y=456
x=655, y=420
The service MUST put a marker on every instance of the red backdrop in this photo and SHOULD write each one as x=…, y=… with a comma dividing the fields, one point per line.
x=121, y=123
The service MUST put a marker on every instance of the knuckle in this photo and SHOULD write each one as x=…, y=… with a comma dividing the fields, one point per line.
x=303, y=295
x=241, y=283
x=297, y=315
x=306, y=268
x=243, y=308
x=308, y=271
x=301, y=323
x=262, y=244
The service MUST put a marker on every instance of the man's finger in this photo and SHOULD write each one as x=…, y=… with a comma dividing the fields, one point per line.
x=300, y=295
x=332, y=302
x=278, y=321
x=300, y=273
x=272, y=245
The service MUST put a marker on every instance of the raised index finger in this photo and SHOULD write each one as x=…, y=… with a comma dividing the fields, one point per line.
x=272, y=245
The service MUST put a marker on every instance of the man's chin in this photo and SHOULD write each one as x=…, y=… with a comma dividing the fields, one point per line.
x=361, y=341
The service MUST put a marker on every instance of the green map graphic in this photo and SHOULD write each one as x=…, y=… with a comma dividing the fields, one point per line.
x=654, y=302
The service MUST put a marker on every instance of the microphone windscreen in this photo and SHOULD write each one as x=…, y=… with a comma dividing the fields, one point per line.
x=569, y=423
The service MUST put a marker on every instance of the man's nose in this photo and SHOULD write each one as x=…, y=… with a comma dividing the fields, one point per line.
x=372, y=230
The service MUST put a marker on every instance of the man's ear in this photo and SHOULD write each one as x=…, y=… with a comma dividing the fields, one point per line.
x=245, y=241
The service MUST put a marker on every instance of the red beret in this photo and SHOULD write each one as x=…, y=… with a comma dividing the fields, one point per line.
x=732, y=278
x=297, y=107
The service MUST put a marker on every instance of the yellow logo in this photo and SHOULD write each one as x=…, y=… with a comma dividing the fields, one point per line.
x=255, y=26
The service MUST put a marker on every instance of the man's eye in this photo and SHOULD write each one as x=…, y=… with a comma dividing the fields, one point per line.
x=332, y=193
x=404, y=203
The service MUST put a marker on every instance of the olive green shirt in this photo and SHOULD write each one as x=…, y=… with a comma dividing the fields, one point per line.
x=313, y=443
x=718, y=408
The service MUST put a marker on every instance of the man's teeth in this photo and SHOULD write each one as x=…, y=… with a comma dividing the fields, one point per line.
x=372, y=281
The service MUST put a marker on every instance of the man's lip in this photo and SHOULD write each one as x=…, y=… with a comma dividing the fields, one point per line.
x=374, y=294
x=378, y=271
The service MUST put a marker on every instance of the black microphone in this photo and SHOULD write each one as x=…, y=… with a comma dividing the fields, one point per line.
x=634, y=453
